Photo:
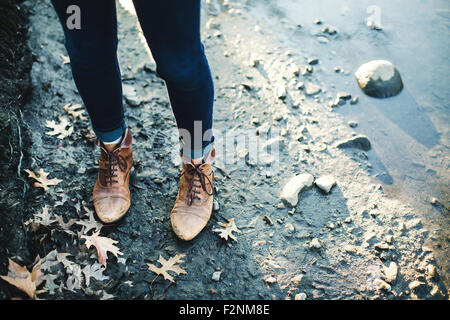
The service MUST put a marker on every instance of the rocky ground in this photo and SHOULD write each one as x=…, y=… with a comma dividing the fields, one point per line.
x=351, y=242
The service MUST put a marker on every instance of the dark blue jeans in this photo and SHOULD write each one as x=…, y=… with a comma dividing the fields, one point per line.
x=172, y=31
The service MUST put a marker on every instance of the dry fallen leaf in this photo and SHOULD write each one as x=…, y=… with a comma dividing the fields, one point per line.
x=65, y=226
x=229, y=228
x=94, y=271
x=43, y=182
x=75, y=111
x=91, y=223
x=65, y=59
x=44, y=217
x=21, y=278
x=103, y=245
x=59, y=130
x=168, y=265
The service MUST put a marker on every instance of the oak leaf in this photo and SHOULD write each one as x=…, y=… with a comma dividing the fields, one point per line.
x=75, y=111
x=228, y=230
x=59, y=129
x=90, y=224
x=94, y=271
x=20, y=277
x=103, y=245
x=65, y=226
x=42, y=180
x=168, y=265
x=44, y=217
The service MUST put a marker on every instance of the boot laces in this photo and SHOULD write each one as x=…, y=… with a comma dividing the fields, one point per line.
x=197, y=180
x=115, y=160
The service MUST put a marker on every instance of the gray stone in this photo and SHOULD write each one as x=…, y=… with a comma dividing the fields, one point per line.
x=358, y=142
x=325, y=183
x=390, y=273
x=379, y=79
x=216, y=275
x=296, y=184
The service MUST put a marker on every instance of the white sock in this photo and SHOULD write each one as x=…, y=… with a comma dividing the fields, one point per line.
x=113, y=142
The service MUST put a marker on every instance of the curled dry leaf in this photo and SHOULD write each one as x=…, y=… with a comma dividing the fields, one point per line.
x=21, y=278
x=103, y=245
x=168, y=265
x=59, y=130
x=75, y=111
x=66, y=59
x=230, y=227
x=42, y=181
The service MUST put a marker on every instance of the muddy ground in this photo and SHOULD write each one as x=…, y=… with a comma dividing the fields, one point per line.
x=330, y=246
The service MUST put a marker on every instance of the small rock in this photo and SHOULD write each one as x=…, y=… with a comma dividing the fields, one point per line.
x=313, y=61
x=431, y=271
x=216, y=205
x=416, y=285
x=344, y=95
x=216, y=275
x=390, y=273
x=381, y=285
x=322, y=40
x=295, y=185
x=329, y=30
x=268, y=220
x=353, y=124
x=297, y=279
x=350, y=248
x=270, y=279
x=317, y=21
x=281, y=92
x=315, y=244
x=300, y=296
x=359, y=142
x=289, y=228
x=354, y=100
x=312, y=89
x=325, y=183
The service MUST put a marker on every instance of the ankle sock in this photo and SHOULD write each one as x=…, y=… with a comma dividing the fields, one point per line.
x=113, y=142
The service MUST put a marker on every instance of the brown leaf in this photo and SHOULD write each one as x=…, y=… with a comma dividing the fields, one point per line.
x=103, y=245
x=229, y=228
x=21, y=278
x=168, y=265
x=75, y=111
x=43, y=182
x=59, y=130
x=66, y=59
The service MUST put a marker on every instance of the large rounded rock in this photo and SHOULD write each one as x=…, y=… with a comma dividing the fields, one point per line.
x=379, y=79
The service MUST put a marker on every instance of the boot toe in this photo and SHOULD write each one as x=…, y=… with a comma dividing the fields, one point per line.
x=187, y=225
x=111, y=209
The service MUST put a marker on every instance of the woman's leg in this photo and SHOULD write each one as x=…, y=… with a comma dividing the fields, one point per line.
x=93, y=57
x=172, y=30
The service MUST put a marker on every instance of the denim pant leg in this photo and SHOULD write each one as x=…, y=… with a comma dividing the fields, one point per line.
x=172, y=31
x=93, y=57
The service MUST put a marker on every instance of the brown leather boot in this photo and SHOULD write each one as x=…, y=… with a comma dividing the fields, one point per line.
x=111, y=193
x=194, y=202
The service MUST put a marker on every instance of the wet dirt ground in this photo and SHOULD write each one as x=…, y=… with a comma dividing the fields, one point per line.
x=329, y=246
